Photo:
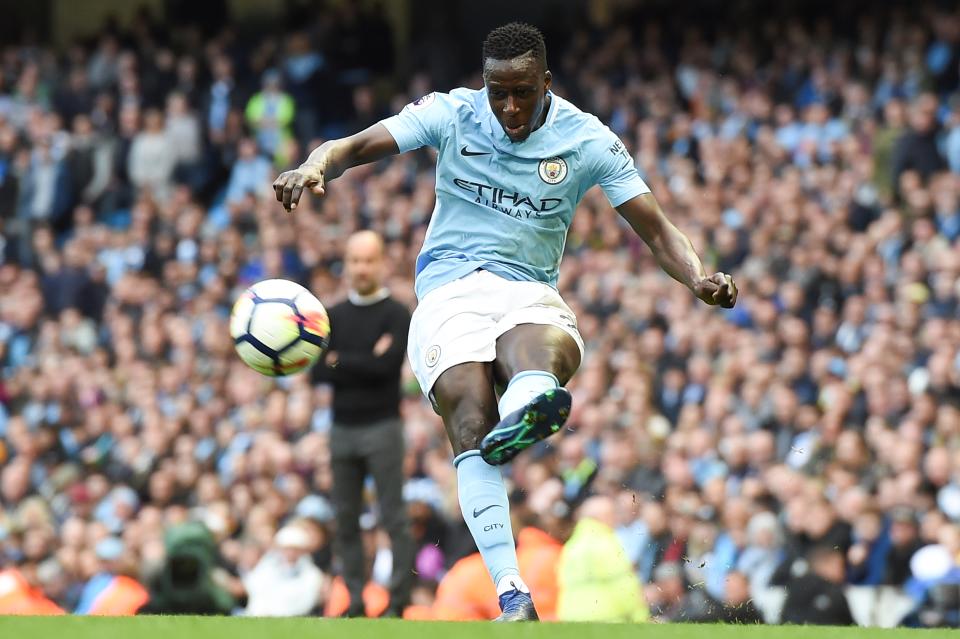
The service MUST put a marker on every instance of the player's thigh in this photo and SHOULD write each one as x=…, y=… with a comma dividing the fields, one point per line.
x=538, y=332
x=465, y=399
x=453, y=325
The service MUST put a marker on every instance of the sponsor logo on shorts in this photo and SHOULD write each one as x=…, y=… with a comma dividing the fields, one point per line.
x=433, y=356
x=423, y=102
x=553, y=170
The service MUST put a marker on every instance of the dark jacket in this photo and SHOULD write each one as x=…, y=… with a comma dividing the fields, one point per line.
x=811, y=599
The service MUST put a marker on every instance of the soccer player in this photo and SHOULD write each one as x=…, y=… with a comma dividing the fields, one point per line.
x=514, y=161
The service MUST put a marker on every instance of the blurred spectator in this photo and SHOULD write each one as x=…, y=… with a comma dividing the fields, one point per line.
x=304, y=69
x=763, y=553
x=285, y=582
x=815, y=592
x=109, y=592
x=76, y=96
x=935, y=586
x=738, y=605
x=19, y=597
x=270, y=114
x=44, y=194
x=185, y=136
x=672, y=601
x=868, y=555
x=904, y=543
x=222, y=97
x=596, y=581
x=916, y=150
x=153, y=157
x=249, y=174
x=88, y=161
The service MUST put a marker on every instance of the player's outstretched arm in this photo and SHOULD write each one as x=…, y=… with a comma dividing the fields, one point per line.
x=675, y=253
x=330, y=160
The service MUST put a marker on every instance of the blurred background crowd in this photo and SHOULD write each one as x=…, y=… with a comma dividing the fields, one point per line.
x=808, y=439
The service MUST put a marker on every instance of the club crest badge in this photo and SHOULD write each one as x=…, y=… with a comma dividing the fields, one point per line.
x=433, y=356
x=553, y=170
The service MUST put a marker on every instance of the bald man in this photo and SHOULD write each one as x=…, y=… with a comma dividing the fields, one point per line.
x=368, y=340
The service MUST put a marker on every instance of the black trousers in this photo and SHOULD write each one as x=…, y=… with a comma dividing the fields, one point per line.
x=377, y=450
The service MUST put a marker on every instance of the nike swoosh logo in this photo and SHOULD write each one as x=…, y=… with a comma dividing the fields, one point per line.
x=467, y=153
x=477, y=513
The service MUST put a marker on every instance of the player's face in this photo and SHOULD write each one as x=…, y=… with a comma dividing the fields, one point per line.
x=517, y=92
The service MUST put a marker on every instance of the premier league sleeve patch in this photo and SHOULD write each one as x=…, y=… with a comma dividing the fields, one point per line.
x=423, y=102
x=553, y=170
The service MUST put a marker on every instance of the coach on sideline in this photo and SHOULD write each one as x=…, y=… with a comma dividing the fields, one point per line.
x=368, y=341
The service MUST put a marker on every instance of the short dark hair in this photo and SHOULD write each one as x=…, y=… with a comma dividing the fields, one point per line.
x=514, y=40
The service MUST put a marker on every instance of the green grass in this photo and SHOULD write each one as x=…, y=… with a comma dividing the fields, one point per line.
x=240, y=628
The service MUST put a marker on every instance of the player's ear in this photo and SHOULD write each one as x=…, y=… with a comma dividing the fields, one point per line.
x=547, y=80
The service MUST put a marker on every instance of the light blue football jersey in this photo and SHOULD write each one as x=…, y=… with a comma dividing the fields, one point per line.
x=501, y=206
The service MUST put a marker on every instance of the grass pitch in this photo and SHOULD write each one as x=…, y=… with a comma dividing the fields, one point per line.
x=243, y=628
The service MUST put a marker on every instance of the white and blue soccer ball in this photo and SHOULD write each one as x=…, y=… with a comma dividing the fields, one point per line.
x=279, y=327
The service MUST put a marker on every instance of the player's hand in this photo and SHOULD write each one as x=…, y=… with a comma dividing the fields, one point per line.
x=718, y=289
x=289, y=185
x=382, y=344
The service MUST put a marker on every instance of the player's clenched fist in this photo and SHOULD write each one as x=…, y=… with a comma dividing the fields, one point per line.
x=717, y=290
x=289, y=185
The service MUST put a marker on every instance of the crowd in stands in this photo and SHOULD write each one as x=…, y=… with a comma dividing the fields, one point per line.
x=808, y=438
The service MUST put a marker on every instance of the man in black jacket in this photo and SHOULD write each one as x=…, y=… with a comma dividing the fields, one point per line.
x=368, y=340
x=815, y=593
x=917, y=150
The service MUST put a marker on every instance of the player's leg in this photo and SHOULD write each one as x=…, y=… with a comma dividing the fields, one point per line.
x=543, y=347
x=385, y=451
x=349, y=473
x=465, y=399
x=534, y=361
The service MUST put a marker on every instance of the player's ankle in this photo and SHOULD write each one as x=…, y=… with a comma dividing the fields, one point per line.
x=511, y=582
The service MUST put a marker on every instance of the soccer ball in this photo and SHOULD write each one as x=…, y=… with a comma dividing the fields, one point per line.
x=279, y=327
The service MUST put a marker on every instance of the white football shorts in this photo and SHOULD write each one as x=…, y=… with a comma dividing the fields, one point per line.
x=461, y=320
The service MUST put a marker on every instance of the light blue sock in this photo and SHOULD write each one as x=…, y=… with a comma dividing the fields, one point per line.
x=483, y=500
x=524, y=386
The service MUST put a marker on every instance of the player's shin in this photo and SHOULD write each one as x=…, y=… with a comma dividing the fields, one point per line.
x=483, y=500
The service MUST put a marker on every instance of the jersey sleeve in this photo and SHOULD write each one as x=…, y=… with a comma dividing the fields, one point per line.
x=614, y=170
x=422, y=122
